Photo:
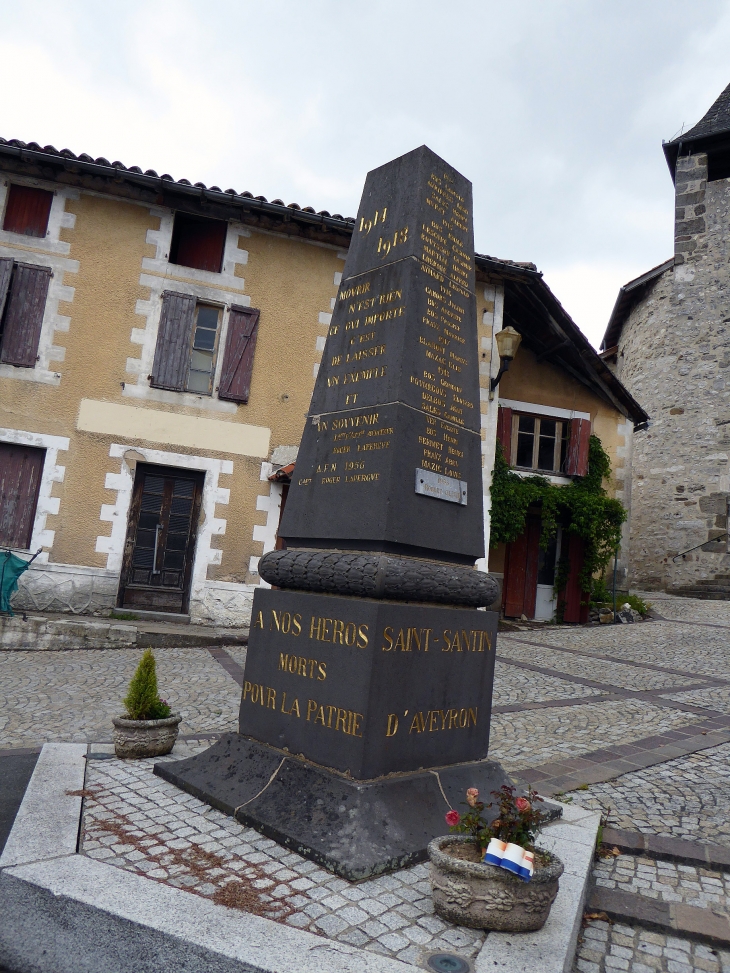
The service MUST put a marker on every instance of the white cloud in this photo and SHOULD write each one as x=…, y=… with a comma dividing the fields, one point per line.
x=588, y=292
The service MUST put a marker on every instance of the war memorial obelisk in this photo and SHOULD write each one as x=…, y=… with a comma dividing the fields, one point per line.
x=368, y=682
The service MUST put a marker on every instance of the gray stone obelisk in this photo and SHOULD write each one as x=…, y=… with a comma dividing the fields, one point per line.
x=368, y=682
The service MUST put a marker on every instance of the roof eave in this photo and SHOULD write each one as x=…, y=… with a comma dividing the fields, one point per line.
x=169, y=187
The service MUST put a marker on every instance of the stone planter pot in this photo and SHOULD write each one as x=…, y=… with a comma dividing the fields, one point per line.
x=481, y=896
x=145, y=738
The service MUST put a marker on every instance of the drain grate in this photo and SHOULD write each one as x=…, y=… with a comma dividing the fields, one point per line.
x=447, y=963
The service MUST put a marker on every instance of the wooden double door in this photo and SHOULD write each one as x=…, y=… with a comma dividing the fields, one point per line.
x=528, y=568
x=161, y=537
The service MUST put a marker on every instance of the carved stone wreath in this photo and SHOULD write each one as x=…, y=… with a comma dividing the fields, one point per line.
x=367, y=575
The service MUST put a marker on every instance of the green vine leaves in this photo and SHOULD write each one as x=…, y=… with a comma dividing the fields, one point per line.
x=581, y=507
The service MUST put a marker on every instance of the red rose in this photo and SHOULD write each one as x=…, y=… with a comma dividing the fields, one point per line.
x=453, y=818
x=523, y=804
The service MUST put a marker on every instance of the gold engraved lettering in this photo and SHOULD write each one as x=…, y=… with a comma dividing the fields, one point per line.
x=372, y=352
x=391, y=727
x=379, y=316
x=364, y=375
x=355, y=291
x=369, y=419
x=285, y=622
x=345, y=721
x=362, y=447
x=259, y=623
x=386, y=243
x=300, y=666
x=362, y=478
x=367, y=225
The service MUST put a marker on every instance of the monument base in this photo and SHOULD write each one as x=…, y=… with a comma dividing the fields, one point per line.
x=355, y=829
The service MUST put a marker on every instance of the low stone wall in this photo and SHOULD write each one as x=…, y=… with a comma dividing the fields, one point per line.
x=222, y=603
x=36, y=634
x=66, y=588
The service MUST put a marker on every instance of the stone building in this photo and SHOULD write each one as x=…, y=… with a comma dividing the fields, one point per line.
x=668, y=340
x=158, y=347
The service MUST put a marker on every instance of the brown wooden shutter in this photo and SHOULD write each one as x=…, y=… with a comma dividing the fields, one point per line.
x=26, y=305
x=27, y=210
x=172, y=354
x=20, y=479
x=576, y=462
x=6, y=271
x=504, y=431
x=243, y=326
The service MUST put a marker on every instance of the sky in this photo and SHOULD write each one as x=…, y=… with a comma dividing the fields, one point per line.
x=554, y=109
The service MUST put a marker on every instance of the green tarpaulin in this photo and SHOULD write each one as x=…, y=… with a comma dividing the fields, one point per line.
x=11, y=568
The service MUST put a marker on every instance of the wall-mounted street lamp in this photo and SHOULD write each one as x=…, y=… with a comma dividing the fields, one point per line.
x=508, y=341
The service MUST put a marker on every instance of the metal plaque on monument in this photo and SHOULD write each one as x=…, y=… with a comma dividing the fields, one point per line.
x=367, y=690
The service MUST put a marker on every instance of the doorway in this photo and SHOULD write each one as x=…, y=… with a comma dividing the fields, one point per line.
x=161, y=535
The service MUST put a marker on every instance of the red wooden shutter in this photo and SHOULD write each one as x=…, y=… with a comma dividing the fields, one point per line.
x=26, y=305
x=520, y=577
x=576, y=462
x=576, y=600
x=504, y=431
x=20, y=478
x=27, y=210
x=172, y=354
x=243, y=327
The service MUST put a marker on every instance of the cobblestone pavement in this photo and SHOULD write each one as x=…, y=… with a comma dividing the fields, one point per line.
x=144, y=824
x=72, y=696
x=560, y=692
x=685, y=798
x=667, y=881
x=607, y=948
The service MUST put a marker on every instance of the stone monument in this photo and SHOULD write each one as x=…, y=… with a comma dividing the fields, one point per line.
x=367, y=692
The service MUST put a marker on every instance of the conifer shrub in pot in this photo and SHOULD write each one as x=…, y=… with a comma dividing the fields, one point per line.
x=149, y=727
x=513, y=896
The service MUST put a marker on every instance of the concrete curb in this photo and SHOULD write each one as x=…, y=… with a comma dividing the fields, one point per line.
x=66, y=913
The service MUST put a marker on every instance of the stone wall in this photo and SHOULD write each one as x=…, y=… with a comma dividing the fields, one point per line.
x=674, y=355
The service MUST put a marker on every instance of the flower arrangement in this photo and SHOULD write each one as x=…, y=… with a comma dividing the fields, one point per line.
x=143, y=701
x=518, y=820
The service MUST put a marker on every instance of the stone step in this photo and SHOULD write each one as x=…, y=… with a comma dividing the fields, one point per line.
x=715, y=593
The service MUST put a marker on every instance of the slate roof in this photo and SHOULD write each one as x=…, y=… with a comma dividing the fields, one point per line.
x=712, y=132
x=716, y=120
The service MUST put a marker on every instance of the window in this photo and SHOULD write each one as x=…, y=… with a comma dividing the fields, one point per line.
x=198, y=242
x=21, y=468
x=23, y=293
x=188, y=345
x=539, y=443
x=202, y=352
x=27, y=210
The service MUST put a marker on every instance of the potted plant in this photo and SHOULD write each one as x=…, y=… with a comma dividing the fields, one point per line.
x=149, y=728
x=514, y=896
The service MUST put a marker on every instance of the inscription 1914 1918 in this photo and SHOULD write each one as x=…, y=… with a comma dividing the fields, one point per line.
x=367, y=692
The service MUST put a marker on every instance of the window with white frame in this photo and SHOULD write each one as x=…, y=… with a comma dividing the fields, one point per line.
x=539, y=443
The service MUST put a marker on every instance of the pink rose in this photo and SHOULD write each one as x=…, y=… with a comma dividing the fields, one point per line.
x=523, y=804
x=471, y=796
x=453, y=818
